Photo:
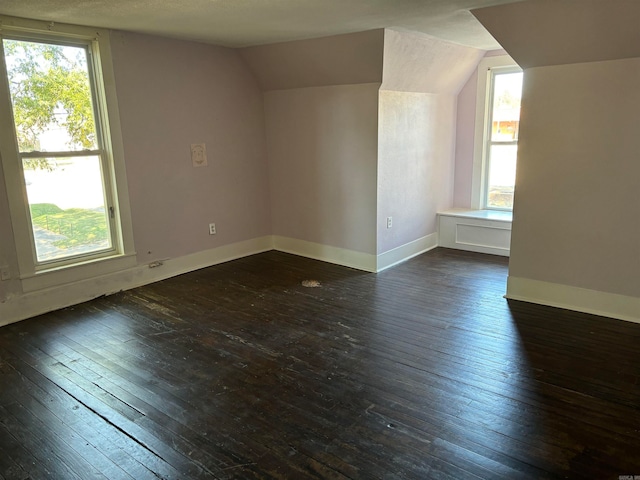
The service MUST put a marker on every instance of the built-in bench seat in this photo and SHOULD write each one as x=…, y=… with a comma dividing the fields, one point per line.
x=485, y=231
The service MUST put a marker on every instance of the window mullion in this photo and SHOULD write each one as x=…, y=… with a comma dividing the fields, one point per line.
x=70, y=153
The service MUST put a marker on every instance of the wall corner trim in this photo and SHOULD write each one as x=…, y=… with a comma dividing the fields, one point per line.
x=584, y=300
x=404, y=252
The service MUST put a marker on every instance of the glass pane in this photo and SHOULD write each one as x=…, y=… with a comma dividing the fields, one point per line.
x=68, y=212
x=507, y=90
x=502, y=175
x=51, y=96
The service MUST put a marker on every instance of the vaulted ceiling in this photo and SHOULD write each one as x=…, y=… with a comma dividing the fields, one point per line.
x=239, y=23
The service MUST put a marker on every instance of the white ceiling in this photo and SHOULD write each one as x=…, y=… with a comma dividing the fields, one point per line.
x=239, y=23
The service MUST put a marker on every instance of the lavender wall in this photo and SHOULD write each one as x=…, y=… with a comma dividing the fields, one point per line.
x=577, y=214
x=465, y=131
x=322, y=145
x=172, y=94
x=415, y=169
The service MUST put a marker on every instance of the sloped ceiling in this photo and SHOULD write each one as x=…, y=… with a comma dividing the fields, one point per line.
x=336, y=60
x=399, y=61
x=240, y=23
x=556, y=32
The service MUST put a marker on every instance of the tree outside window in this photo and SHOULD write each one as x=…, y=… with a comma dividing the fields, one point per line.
x=60, y=147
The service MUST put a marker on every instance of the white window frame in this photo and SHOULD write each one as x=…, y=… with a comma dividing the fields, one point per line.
x=497, y=64
x=34, y=276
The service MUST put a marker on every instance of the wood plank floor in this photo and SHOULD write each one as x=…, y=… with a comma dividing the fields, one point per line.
x=423, y=371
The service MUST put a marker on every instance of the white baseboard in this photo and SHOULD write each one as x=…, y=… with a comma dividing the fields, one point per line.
x=350, y=258
x=405, y=252
x=326, y=253
x=573, y=298
x=20, y=307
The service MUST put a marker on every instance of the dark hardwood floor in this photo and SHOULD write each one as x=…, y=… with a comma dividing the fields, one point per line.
x=423, y=371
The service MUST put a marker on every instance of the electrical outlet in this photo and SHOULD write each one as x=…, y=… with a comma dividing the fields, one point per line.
x=5, y=273
x=389, y=222
x=212, y=229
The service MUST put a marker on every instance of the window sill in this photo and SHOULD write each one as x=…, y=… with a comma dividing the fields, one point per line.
x=77, y=272
x=493, y=215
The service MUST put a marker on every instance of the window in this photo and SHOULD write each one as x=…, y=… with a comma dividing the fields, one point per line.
x=57, y=129
x=497, y=126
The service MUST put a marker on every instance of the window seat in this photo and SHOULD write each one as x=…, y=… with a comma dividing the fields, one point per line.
x=484, y=231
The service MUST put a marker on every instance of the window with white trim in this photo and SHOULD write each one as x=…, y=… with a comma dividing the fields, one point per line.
x=57, y=148
x=497, y=127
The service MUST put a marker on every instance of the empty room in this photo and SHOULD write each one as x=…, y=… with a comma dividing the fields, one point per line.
x=363, y=239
